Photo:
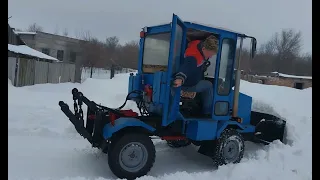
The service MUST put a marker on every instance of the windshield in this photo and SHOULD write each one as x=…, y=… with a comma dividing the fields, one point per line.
x=156, y=52
x=226, y=63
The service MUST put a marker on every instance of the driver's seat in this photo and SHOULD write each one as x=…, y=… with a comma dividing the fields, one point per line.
x=190, y=104
x=187, y=95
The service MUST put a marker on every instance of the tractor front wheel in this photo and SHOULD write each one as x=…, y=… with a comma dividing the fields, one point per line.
x=229, y=148
x=131, y=156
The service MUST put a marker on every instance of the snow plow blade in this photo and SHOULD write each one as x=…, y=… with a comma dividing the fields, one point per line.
x=77, y=124
x=268, y=127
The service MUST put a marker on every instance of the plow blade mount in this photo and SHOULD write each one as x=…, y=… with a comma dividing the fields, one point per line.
x=97, y=117
x=77, y=124
x=268, y=127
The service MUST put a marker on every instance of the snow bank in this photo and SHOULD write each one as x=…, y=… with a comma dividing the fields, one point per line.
x=291, y=104
x=44, y=145
x=292, y=76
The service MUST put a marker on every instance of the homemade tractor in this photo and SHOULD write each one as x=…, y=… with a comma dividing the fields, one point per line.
x=171, y=114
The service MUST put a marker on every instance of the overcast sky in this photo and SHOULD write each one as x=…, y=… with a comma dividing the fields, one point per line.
x=125, y=18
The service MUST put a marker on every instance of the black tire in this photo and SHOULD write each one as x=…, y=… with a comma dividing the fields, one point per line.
x=232, y=142
x=178, y=143
x=119, y=167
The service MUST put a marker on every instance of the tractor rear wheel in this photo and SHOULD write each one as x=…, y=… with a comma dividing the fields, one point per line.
x=229, y=148
x=131, y=156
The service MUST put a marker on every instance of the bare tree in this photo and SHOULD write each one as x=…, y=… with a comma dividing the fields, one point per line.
x=282, y=50
x=34, y=28
x=128, y=55
x=112, y=48
x=303, y=65
x=288, y=43
x=112, y=43
x=93, y=51
x=84, y=35
x=288, y=46
x=65, y=32
x=269, y=47
x=56, y=30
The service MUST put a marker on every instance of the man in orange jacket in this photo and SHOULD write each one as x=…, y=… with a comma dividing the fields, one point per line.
x=191, y=72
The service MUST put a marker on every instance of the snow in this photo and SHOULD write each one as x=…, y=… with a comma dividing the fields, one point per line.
x=44, y=145
x=292, y=76
x=23, y=49
x=101, y=73
x=22, y=32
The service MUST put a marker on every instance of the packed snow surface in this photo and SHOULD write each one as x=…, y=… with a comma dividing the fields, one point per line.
x=43, y=144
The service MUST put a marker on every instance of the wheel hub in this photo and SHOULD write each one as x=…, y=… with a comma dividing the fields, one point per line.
x=231, y=151
x=133, y=157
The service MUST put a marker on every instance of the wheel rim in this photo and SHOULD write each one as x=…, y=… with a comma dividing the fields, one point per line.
x=231, y=151
x=133, y=157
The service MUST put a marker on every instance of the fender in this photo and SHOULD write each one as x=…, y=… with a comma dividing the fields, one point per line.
x=242, y=128
x=124, y=122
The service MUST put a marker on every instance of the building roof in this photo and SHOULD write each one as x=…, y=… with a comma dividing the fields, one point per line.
x=26, y=50
x=46, y=33
x=292, y=76
x=24, y=32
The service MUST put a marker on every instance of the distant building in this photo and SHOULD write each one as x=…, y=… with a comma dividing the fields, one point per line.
x=22, y=59
x=63, y=48
x=18, y=48
x=13, y=38
x=280, y=79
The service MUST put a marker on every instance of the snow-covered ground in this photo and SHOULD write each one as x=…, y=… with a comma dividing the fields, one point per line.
x=100, y=73
x=43, y=144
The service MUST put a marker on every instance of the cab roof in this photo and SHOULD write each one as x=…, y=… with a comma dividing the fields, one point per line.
x=211, y=26
x=190, y=23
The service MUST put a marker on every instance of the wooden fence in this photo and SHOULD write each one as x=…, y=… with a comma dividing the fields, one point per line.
x=24, y=72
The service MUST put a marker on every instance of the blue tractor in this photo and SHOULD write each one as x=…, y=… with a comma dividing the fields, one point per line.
x=171, y=114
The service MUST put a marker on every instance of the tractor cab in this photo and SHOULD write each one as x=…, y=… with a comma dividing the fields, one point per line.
x=162, y=49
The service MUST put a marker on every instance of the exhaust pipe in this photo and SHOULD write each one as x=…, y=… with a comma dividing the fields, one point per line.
x=237, y=84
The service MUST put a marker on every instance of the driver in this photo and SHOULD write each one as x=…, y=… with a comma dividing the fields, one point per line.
x=191, y=71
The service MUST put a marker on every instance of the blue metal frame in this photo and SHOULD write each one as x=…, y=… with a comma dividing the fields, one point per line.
x=159, y=29
x=243, y=128
x=165, y=28
x=210, y=29
x=141, y=47
x=217, y=97
x=121, y=123
x=170, y=116
x=223, y=34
